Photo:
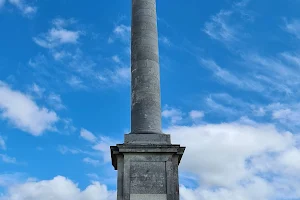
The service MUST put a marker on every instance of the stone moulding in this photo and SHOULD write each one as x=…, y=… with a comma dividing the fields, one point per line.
x=121, y=149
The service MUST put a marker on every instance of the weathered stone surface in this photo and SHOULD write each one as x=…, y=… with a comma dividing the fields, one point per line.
x=145, y=81
x=147, y=171
x=147, y=162
x=147, y=139
x=148, y=197
x=148, y=178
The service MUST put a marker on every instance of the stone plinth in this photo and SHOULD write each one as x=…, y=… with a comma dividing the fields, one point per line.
x=147, y=172
x=147, y=139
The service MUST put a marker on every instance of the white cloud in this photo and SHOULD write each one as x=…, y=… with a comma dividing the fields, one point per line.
x=165, y=40
x=59, y=188
x=259, y=112
x=287, y=114
x=293, y=27
x=258, y=189
x=219, y=29
x=91, y=161
x=65, y=150
x=55, y=101
x=59, y=55
x=2, y=143
x=121, y=32
x=63, y=36
x=241, y=161
x=76, y=82
x=121, y=75
x=25, y=8
x=223, y=26
x=24, y=113
x=292, y=58
x=226, y=76
x=7, y=180
x=87, y=135
x=219, y=107
x=8, y=159
x=278, y=74
x=175, y=115
x=116, y=59
x=103, y=145
x=37, y=90
x=100, y=152
x=58, y=35
x=196, y=114
x=2, y=2
x=60, y=22
x=117, y=76
x=93, y=176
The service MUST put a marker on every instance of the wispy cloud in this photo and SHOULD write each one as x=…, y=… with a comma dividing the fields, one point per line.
x=2, y=3
x=8, y=159
x=55, y=101
x=292, y=58
x=165, y=40
x=91, y=161
x=65, y=150
x=175, y=115
x=103, y=145
x=2, y=143
x=37, y=90
x=116, y=59
x=227, y=26
x=99, y=148
x=22, y=5
x=58, y=35
x=196, y=114
x=93, y=176
x=7, y=180
x=228, y=77
x=76, y=82
x=121, y=32
x=293, y=27
x=87, y=135
x=218, y=28
x=69, y=60
x=29, y=117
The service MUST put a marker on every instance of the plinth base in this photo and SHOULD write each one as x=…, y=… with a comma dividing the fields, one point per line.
x=147, y=139
x=147, y=172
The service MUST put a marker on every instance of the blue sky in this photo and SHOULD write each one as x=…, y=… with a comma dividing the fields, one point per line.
x=230, y=73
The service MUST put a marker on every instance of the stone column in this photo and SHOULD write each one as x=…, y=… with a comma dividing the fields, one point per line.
x=147, y=162
x=145, y=76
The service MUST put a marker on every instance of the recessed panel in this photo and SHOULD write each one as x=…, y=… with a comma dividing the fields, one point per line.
x=148, y=178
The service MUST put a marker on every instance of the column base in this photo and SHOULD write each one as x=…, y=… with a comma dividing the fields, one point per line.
x=147, y=139
x=147, y=172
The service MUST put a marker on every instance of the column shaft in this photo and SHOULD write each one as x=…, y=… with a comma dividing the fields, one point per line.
x=145, y=76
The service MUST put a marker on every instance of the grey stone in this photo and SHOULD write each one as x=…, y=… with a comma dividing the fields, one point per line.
x=147, y=171
x=145, y=81
x=147, y=162
x=148, y=197
x=147, y=139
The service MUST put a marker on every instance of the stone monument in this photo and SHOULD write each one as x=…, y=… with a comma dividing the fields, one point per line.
x=147, y=162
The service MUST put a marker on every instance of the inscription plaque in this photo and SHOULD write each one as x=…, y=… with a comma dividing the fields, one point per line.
x=148, y=178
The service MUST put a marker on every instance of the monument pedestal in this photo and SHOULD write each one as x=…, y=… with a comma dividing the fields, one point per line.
x=147, y=171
